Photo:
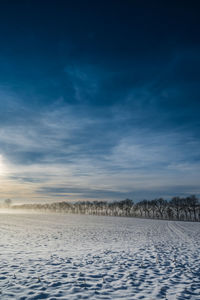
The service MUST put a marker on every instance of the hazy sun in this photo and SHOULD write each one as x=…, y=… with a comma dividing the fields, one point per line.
x=2, y=166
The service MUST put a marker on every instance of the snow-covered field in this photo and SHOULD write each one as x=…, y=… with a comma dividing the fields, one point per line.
x=57, y=256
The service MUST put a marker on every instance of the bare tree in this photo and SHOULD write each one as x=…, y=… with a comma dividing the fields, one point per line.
x=175, y=203
x=7, y=202
x=193, y=204
x=152, y=205
x=161, y=205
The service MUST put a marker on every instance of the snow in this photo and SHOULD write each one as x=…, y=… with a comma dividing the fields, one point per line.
x=60, y=256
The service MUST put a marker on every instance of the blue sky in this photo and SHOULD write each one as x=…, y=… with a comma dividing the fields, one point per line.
x=99, y=100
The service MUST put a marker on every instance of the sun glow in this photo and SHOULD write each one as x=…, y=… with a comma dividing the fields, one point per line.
x=2, y=166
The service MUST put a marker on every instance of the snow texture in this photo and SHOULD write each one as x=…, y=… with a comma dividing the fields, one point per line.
x=57, y=256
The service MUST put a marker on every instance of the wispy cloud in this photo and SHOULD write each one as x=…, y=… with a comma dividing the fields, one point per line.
x=107, y=138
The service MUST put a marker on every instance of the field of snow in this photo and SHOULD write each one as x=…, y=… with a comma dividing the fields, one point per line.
x=57, y=256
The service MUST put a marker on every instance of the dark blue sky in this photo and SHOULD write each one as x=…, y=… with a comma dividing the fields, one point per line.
x=99, y=99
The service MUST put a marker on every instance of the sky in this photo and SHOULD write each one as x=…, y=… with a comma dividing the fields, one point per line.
x=99, y=100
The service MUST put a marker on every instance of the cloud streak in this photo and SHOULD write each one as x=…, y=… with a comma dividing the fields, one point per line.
x=107, y=156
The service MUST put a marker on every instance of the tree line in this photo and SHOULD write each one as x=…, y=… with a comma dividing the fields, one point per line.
x=178, y=208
